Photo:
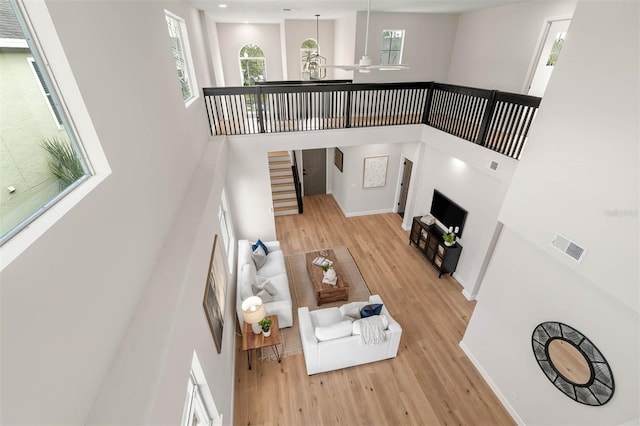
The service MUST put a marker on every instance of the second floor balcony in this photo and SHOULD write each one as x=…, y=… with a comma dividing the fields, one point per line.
x=497, y=120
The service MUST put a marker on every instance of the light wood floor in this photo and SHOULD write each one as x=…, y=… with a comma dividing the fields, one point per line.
x=430, y=382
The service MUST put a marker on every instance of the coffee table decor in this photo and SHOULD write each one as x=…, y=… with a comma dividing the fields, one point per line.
x=327, y=289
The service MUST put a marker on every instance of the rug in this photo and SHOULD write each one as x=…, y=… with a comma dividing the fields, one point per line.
x=302, y=295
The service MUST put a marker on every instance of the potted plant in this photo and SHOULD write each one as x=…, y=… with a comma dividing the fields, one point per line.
x=450, y=236
x=265, y=323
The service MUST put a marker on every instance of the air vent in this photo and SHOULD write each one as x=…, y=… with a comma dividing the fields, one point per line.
x=569, y=247
x=494, y=165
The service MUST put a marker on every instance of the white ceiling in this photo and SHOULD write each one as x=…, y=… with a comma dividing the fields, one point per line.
x=272, y=11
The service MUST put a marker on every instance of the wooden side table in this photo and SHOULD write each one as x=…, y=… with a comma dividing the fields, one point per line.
x=251, y=341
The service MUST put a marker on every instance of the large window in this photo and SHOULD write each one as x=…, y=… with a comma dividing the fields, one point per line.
x=182, y=56
x=392, y=41
x=40, y=158
x=252, y=65
x=308, y=52
x=199, y=407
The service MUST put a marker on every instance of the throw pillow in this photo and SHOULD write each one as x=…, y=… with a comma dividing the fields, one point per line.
x=356, y=324
x=352, y=309
x=260, y=244
x=334, y=331
x=259, y=257
x=265, y=296
x=263, y=283
x=370, y=310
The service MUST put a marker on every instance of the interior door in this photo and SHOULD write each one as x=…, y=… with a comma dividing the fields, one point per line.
x=314, y=171
x=404, y=186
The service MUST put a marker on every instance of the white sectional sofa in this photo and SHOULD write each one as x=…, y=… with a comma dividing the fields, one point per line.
x=328, y=353
x=274, y=270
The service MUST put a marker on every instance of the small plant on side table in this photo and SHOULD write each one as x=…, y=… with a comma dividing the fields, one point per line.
x=265, y=324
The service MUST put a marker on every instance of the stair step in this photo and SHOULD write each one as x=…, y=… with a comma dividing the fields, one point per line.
x=281, y=211
x=281, y=179
x=280, y=172
x=278, y=154
x=282, y=187
x=279, y=195
x=285, y=202
x=279, y=163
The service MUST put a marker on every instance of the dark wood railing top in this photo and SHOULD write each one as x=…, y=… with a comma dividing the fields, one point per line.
x=497, y=120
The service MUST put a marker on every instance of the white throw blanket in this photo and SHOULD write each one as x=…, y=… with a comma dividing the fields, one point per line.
x=372, y=330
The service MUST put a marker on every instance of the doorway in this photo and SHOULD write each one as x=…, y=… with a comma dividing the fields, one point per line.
x=553, y=39
x=404, y=186
x=314, y=171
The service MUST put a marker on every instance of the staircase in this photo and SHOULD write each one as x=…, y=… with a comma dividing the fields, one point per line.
x=283, y=191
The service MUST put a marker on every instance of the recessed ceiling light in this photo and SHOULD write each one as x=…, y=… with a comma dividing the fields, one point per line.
x=222, y=6
x=245, y=22
x=287, y=9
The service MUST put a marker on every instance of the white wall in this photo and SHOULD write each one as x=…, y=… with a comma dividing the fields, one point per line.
x=495, y=47
x=232, y=37
x=428, y=40
x=344, y=44
x=460, y=170
x=296, y=31
x=249, y=191
x=352, y=198
x=90, y=309
x=578, y=169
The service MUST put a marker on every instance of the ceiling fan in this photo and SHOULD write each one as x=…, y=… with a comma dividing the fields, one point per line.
x=365, y=65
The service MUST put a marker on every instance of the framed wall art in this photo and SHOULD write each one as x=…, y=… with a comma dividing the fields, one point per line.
x=375, y=172
x=215, y=293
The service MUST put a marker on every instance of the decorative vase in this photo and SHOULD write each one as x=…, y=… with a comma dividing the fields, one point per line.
x=448, y=244
x=266, y=333
x=330, y=274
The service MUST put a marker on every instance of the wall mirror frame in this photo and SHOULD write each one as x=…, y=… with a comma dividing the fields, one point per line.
x=573, y=363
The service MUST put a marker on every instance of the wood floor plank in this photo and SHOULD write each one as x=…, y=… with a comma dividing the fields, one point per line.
x=430, y=382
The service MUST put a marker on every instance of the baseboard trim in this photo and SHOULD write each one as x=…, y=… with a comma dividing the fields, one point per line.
x=468, y=295
x=505, y=402
x=366, y=213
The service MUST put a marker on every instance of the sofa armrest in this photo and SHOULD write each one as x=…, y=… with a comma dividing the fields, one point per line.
x=309, y=341
x=272, y=245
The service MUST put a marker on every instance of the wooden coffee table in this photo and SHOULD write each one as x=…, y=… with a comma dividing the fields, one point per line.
x=326, y=293
x=251, y=341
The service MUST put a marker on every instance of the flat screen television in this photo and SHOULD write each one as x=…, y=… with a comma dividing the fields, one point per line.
x=448, y=212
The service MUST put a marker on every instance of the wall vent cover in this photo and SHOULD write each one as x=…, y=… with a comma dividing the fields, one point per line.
x=568, y=247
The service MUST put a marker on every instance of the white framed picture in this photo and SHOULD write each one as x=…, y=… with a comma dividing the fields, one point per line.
x=375, y=172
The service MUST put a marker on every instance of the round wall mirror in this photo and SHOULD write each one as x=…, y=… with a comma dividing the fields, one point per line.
x=572, y=363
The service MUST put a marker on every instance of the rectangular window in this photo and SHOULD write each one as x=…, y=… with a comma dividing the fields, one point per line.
x=182, y=56
x=199, y=407
x=392, y=42
x=41, y=160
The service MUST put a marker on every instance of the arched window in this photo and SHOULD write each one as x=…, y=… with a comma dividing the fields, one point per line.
x=252, y=65
x=308, y=51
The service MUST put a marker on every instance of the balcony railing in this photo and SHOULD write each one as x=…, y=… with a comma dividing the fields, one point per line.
x=499, y=121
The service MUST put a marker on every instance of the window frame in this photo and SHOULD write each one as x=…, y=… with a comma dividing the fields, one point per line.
x=183, y=38
x=303, y=51
x=198, y=398
x=42, y=39
x=262, y=58
x=387, y=52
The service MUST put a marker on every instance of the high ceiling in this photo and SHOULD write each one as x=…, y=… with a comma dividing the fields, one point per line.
x=272, y=11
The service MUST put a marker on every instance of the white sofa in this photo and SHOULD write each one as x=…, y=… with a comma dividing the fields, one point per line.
x=274, y=269
x=347, y=351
